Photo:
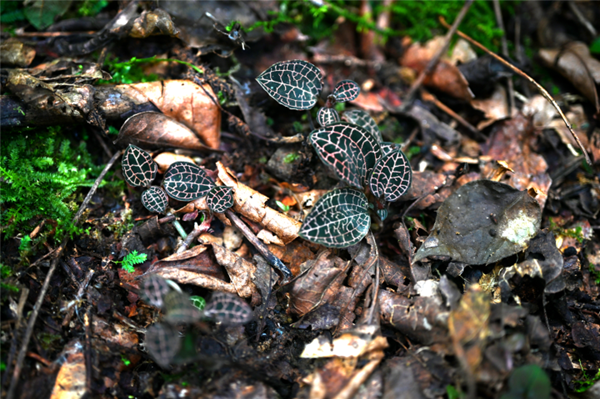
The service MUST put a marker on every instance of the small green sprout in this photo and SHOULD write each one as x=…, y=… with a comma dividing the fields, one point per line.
x=131, y=259
x=291, y=157
x=125, y=361
x=282, y=206
x=586, y=381
x=25, y=244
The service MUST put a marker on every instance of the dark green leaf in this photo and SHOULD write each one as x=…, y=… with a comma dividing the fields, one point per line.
x=363, y=119
x=153, y=290
x=341, y=154
x=220, y=198
x=391, y=176
x=163, y=343
x=155, y=199
x=295, y=84
x=178, y=308
x=339, y=219
x=345, y=91
x=528, y=382
x=368, y=145
x=185, y=181
x=228, y=309
x=327, y=116
x=139, y=169
x=42, y=13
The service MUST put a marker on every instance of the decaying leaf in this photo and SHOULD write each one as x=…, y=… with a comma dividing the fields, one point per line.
x=14, y=52
x=70, y=381
x=185, y=102
x=352, y=343
x=468, y=326
x=240, y=271
x=252, y=204
x=573, y=62
x=445, y=77
x=420, y=318
x=156, y=130
x=483, y=222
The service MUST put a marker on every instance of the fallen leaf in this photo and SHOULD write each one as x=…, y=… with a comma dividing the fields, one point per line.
x=185, y=102
x=481, y=223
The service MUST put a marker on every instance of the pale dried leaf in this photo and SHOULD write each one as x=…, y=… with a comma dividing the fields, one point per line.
x=252, y=205
x=240, y=270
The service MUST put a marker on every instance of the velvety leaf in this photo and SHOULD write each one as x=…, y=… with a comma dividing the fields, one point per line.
x=346, y=90
x=368, y=145
x=294, y=84
x=153, y=290
x=163, y=343
x=178, y=308
x=482, y=222
x=228, y=309
x=185, y=181
x=327, y=116
x=155, y=199
x=387, y=147
x=220, y=198
x=339, y=219
x=139, y=169
x=341, y=154
x=41, y=13
x=363, y=119
x=391, y=176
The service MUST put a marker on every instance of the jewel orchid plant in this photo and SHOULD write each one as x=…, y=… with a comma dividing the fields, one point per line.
x=183, y=181
x=353, y=150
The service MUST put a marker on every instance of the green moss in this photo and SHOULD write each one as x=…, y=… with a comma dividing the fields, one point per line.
x=40, y=176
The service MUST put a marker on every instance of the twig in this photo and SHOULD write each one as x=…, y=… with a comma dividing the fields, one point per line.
x=436, y=58
x=262, y=248
x=199, y=229
x=543, y=91
x=509, y=82
x=80, y=293
x=18, y=325
x=375, y=298
x=88, y=349
x=430, y=97
x=42, y=294
x=581, y=18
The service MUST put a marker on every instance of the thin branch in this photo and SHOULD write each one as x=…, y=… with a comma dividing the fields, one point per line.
x=259, y=245
x=436, y=58
x=543, y=91
x=42, y=294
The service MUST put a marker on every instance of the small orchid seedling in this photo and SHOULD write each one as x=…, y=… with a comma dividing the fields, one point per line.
x=354, y=150
x=163, y=340
x=184, y=181
x=297, y=84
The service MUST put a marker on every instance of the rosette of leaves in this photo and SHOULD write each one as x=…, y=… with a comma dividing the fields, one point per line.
x=341, y=217
x=139, y=170
x=297, y=84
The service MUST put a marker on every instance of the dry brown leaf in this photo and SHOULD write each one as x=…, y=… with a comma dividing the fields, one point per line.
x=572, y=63
x=202, y=280
x=294, y=254
x=155, y=130
x=252, y=205
x=468, y=326
x=155, y=22
x=309, y=291
x=14, y=52
x=495, y=107
x=240, y=271
x=446, y=77
x=184, y=101
x=70, y=381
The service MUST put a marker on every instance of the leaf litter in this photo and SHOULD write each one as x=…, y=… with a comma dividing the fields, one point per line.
x=483, y=260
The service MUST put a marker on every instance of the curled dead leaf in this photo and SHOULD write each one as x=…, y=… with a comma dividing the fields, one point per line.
x=154, y=130
x=184, y=101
